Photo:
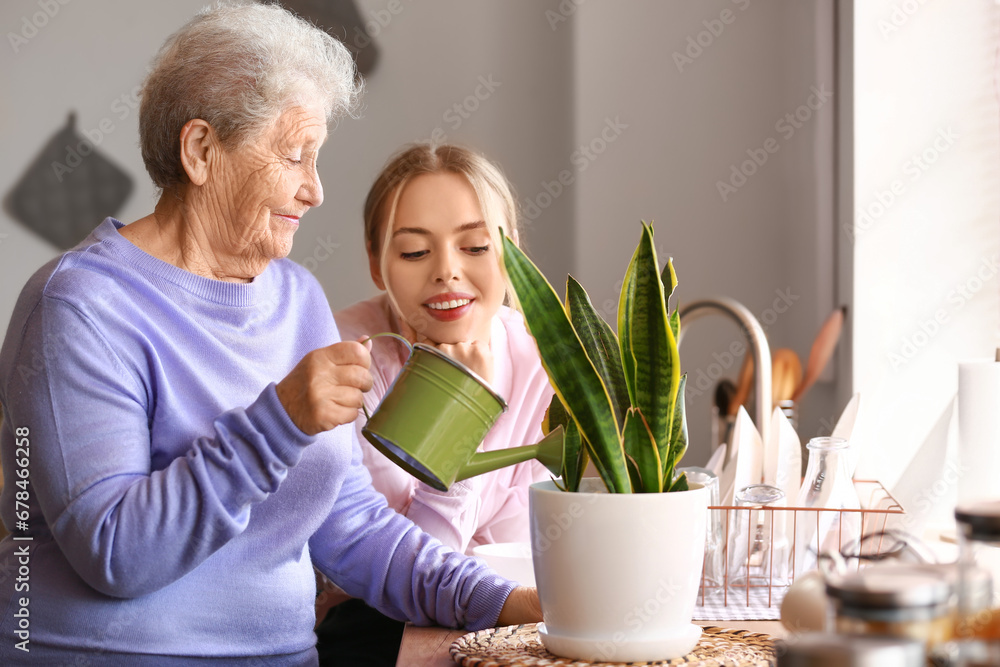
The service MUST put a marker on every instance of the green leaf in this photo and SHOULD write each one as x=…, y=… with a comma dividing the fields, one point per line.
x=669, y=278
x=640, y=447
x=574, y=457
x=654, y=348
x=574, y=453
x=678, y=433
x=555, y=415
x=625, y=301
x=570, y=370
x=680, y=484
x=634, y=475
x=600, y=343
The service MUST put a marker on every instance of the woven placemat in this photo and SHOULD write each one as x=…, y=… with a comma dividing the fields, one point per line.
x=519, y=646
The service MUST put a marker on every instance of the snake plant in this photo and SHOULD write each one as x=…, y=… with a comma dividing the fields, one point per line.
x=619, y=398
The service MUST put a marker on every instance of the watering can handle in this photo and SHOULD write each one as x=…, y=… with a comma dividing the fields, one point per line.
x=402, y=339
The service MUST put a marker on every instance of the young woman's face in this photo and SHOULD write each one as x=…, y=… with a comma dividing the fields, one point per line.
x=440, y=267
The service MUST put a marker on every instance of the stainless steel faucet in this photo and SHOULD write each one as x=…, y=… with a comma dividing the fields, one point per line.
x=758, y=346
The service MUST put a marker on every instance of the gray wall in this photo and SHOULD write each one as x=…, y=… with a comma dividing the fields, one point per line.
x=560, y=81
x=699, y=84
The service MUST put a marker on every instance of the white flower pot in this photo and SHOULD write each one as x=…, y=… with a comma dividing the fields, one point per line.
x=617, y=574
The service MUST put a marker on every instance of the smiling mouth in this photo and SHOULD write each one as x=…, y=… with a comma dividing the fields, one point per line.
x=449, y=305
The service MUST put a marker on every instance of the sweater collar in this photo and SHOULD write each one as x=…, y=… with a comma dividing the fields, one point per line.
x=217, y=291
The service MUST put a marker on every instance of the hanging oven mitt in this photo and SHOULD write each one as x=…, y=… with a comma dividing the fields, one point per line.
x=68, y=189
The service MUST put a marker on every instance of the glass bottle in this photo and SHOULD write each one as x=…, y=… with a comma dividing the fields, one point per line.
x=828, y=489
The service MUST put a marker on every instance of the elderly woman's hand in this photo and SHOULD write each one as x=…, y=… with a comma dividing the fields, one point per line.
x=325, y=389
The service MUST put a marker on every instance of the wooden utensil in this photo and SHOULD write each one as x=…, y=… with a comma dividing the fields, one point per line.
x=822, y=350
x=786, y=374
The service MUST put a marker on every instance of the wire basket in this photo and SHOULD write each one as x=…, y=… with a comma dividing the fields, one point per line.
x=766, y=582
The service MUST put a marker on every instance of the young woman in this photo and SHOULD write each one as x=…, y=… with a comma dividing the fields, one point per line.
x=432, y=232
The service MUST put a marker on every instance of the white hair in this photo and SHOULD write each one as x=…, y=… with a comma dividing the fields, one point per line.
x=238, y=66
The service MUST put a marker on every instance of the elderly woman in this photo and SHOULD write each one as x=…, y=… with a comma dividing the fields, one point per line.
x=178, y=448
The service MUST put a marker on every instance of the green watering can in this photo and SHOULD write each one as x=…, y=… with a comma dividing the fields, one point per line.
x=436, y=414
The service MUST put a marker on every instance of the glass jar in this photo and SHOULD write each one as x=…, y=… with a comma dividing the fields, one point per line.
x=979, y=570
x=827, y=487
x=895, y=600
x=758, y=554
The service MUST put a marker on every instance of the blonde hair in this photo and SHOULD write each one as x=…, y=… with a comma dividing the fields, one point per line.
x=494, y=192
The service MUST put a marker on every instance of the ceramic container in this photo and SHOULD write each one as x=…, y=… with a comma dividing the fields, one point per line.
x=617, y=574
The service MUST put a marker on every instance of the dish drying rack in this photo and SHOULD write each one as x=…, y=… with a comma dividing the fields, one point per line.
x=878, y=505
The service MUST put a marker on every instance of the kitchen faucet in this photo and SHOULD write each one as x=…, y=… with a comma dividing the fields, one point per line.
x=758, y=347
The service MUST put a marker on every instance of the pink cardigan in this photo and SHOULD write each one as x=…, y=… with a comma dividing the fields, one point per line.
x=481, y=510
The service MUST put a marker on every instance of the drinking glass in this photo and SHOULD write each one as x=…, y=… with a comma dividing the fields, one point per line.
x=758, y=554
x=714, y=572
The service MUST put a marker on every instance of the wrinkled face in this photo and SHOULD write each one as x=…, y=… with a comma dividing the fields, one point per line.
x=440, y=267
x=261, y=190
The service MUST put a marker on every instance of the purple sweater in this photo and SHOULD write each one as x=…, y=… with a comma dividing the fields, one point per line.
x=173, y=507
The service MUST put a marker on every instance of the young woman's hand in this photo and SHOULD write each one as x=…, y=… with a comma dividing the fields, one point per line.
x=474, y=354
x=325, y=389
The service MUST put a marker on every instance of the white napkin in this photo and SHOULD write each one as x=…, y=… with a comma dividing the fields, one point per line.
x=783, y=469
x=717, y=461
x=745, y=464
x=849, y=428
x=783, y=456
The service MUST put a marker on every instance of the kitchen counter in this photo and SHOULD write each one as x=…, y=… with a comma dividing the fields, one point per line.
x=428, y=647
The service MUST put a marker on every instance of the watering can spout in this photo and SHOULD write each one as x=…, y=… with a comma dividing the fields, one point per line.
x=549, y=451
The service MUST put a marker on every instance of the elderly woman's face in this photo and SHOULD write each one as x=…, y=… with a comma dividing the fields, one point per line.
x=263, y=189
